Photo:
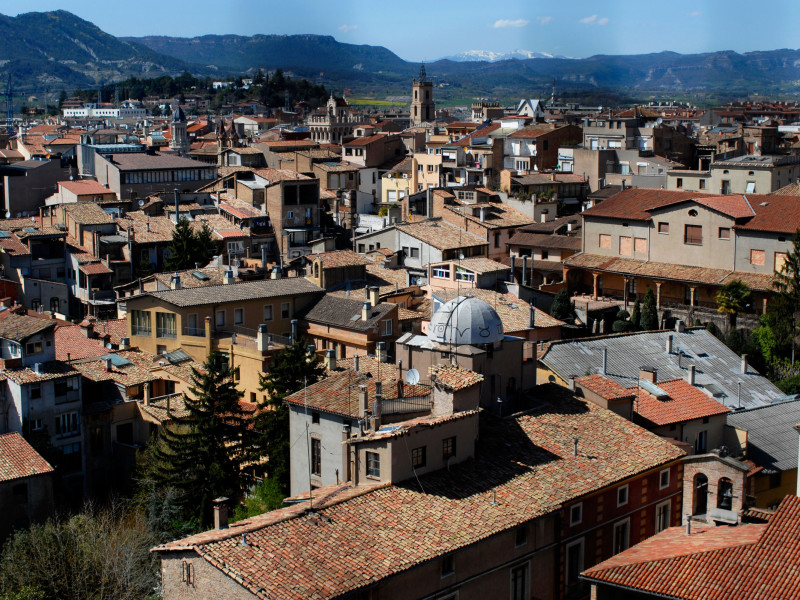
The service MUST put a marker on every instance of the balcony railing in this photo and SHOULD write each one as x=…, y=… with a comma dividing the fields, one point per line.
x=194, y=331
x=169, y=334
x=143, y=331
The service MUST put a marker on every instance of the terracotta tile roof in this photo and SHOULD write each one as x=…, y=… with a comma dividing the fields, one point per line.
x=479, y=265
x=532, y=131
x=793, y=189
x=605, y=388
x=85, y=187
x=513, y=312
x=684, y=403
x=496, y=215
x=636, y=203
x=547, y=178
x=542, y=240
x=365, y=141
x=369, y=365
x=19, y=328
x=72, y=344
x=338, y=392
x=345, y=313
x=47, y=372
x=18, y=459
x=441, y=234
x=453, y=377
x=657, y=270
x=404, y=314
x=737, y=207
x=236, y=292
x=12, y=245
x=339, y=258
x=748, y=562
x=524, y=468
x=138, y=370
x=147, y=229
x=274, y=175
x=475, y=135
x=96, y=268
x=239, y=208
x=137, y=161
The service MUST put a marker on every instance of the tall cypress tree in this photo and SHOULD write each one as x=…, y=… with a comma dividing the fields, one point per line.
x=649, y=319
x=201, y=453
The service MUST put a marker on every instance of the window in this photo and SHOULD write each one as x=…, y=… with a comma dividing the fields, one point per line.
x=693, y=235
x=166, y=325
x=316, y=457
x=521, y=536
x=448, y=565
x=640, y=245
x=751, y=187
x=418, y=457
x=33, y=347
x=314, y=415
x=441, y=272
x=268, y=312
x=519, y=582
x=496, y=240
x=373, y=464
x=622, y=495
x=701, y=443
x=68, y=424
x=663, y=227
x=662, y=516
x=724, y=233
x=448, y=448
x=576, y=514
x=414, y=252
x=35, y=391
x=37, y=424
x=702, y=184
x=621, y=536
x=388, y=327
x=605, y=241
x=464, y=275
x=286, y=312
x=780, y=260
x=238, y=316
x=545, y=254
x=574, y=563
x=220, y=318
x=140, y=322
x=361, y=249
x=663, y=479
x=757, y=257
x=625, y=246
x=60, y=388
x=679, y=182
x=774, y=479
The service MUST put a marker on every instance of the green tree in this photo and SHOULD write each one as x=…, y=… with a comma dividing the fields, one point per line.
x=205, y=247
x=291, y=370
x=787, y=286
x=264, y=497
x=562, y=307
x=258, y=78
x=649, y=318
x=731, y=299
x=182, y=247
x=100, y=554
x=636, y=315
x=621, y=323
x=201, y=453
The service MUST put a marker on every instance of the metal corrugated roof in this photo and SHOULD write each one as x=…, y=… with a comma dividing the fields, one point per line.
x=771, y=436
x=716, y=365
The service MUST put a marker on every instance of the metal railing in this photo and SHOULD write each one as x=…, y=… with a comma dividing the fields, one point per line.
x=167, y=333
x=194, y=331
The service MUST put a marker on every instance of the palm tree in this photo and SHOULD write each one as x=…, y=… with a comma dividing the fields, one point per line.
x=731, y=299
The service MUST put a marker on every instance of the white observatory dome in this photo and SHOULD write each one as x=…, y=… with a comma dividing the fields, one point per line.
x=466, y=320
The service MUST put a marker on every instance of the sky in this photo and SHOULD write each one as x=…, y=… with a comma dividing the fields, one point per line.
x=426, y=30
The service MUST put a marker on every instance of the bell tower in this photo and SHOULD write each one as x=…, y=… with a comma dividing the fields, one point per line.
x=179, y=141
x=422, y=107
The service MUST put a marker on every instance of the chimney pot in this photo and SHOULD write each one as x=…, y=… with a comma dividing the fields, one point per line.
x=124, y=343
x=374, y=293
x=648, y=374
x=691, y=377
x=669, y=344
x=366, y=311
x=108, y=365
x=220, y=513
x=605, y=361
x=330, y=359
x=744, y=364
x=228, y=277
x=355, y=363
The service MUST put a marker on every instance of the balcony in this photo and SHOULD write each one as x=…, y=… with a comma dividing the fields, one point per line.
x=166, y=333
x=194, y=331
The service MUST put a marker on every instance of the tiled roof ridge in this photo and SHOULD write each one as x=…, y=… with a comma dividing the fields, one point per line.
x=333, y=495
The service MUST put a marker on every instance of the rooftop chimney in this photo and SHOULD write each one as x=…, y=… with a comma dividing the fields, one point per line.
x=276, y=272
x=175, y=282
x=690, y=377
x=355, y=363
x=380, y=352
x=623, y=185
x=513, y=266
x=330, y=359
x=680, y=326
x=744, y=364
x=146, y=389
x=366, y=311
x=688, y=524
x=294, y=330
x=605, y=362
x=575, y=446
x=648, y=374
x=37, y=368
x=261, y=338
x=483, y=214
x=263, y=256
x=377, y=406
x=374, y=292
x=220, y=513
x=524, y=270
x=228, y=277
x=124, y=343
x=108, y=365
x=532, y=317
x=363, y=401
x=669, y=344
x=87, y=327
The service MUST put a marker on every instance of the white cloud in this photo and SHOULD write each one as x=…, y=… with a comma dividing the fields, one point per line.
x=510, y=23
x=695, y=13
x=544, y=20
x=594, y=20
x=346, y=28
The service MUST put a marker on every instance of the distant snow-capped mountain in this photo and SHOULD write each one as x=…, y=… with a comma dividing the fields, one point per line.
x=489, y=56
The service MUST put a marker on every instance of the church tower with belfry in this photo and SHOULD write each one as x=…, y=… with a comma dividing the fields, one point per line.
x=422, y=107
x=179, y=137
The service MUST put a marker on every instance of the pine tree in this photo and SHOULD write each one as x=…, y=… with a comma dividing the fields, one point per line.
x=205, y=246
x=202, y=453
x=182, y=247
x=562, y=305
x=291, y=370
x=649, y=318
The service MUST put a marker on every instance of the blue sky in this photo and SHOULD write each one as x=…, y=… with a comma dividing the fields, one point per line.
x=430, y=29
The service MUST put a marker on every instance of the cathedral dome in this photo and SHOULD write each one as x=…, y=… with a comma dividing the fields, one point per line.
x=466, y=320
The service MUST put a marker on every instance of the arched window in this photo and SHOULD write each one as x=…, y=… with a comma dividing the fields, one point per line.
x=700, y=494
x=725, y=493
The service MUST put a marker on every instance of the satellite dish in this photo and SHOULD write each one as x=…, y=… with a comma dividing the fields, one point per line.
x=659, y=120
x=33, y=219
x=8, y=214
x=141, y=202
x=109, y=346
x=412, y=377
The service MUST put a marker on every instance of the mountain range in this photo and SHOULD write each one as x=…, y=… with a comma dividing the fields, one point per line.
x=489, y=56
x=60, y=50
